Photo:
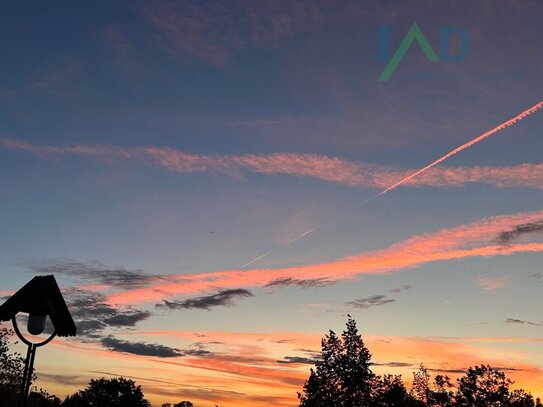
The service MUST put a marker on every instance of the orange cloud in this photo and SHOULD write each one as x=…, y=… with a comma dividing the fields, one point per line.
x=248, y=362
x=477, y=239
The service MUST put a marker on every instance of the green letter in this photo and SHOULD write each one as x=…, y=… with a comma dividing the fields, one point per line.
x=414, y=33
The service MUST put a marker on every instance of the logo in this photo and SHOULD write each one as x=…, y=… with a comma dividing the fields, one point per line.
x=416, y=34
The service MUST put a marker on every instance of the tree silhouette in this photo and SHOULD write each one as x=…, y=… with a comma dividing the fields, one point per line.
x=322, y=387
x=428, y=393
x=117, y=392
x=483, y=386
x=342, y=376
x=11, y=374
x=421, y=385
x=11, y=370
x=441, y=395
x=519, y=398
x=391, y=392
x=40, y=398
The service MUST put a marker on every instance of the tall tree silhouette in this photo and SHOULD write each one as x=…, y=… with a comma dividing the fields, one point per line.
x=342, y=376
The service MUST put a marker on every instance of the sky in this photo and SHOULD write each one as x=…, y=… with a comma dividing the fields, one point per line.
x=204, y=180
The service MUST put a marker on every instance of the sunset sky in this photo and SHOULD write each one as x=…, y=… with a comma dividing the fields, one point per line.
x=201, y=179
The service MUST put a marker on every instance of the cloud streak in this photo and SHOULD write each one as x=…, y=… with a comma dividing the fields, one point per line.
x=369, y=302
x=297, y=360
x=289, y=281
x=140, y=348
x=330, y=169
x=214, y=34
x=476, y=239
x=91, y=271
x=220, y=299
x=518, y=231
x=514, y=321
x=93, y=315
x=490, y=284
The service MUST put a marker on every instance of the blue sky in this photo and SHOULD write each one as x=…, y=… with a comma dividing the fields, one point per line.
x=173, y=139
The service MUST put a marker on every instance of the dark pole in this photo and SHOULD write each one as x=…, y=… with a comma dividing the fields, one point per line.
x=27, y=376
x=29, y=362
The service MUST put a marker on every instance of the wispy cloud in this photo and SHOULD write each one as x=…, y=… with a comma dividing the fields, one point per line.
x=369, y=302
x=330, y=169
x=93, y=315
x=297, y=360
x=538, y=275
x=249, y=361
x=395, y=364
x=220, y=299
x=518, y=231
x=62, y=79
x=490, y=284
x=214, y=34
x=515, y=321
x=139, y=348
x=453, y=354
x=122, y=49
x=400, y=289
x=476, y=239
x=289, y=281
x=93, y=271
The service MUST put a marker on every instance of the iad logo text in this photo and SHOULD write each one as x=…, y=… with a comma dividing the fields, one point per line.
x=416, y=34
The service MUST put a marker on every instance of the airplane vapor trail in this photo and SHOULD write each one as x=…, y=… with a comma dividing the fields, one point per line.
x=464, y=146
x=256, y=259
x=301, y=236
x=458, y=149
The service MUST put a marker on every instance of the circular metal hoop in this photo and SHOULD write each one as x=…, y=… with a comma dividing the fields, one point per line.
x=26, y=341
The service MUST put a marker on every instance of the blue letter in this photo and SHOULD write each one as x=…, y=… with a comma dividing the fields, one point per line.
x=444, y=43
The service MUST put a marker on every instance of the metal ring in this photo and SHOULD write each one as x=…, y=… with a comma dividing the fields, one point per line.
x=26, y=341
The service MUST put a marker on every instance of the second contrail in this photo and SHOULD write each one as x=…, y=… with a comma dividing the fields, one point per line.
x=458, y=149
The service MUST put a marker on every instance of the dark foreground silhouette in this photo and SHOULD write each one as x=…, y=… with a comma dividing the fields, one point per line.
x=342, y=377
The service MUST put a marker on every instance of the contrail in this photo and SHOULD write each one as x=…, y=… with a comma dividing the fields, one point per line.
x=464, y=146
x=256, y=259
x=300, y=236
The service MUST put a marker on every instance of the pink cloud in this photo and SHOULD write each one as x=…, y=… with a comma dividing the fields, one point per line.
x=477, y=239
x=215, y=35
x=490, y=284
x=326, y=168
